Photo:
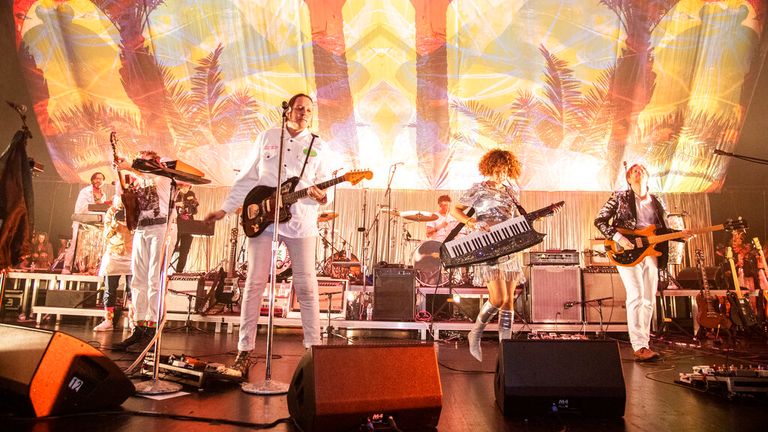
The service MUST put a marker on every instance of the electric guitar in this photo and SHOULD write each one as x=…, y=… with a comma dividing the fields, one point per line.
x=259, y=205
x=127, y=195
x=741, y=311
x=761, y=276
x=227, y=288
x=710, y=315
x=646, y=239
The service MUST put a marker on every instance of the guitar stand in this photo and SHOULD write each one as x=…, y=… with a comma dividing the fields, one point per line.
x=187, y=327
x=666, y=322
x=329, y=330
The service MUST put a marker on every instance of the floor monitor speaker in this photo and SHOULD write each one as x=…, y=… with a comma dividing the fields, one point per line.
x=46, y=373
x=535, y=377
x=401, y=381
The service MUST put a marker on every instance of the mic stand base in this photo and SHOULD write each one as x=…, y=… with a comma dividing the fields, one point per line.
x=266, y=387
x=156, y=386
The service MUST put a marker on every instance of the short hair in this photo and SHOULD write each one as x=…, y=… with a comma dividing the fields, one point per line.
x=443, y=198
x=93, y=176
x=150, y=153
x=499, y=161
x=638, y=166
x=292, y=100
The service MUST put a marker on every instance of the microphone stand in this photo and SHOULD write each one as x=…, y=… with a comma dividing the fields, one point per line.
x=388, y=194
x=742, y=157
x=268, y=386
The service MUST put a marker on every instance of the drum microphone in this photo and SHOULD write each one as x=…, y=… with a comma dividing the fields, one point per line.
x=569, y=304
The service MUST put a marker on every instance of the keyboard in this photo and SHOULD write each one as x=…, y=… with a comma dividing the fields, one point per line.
x=503, y=239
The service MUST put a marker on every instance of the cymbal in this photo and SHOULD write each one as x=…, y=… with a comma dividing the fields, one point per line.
x=326, y=216
x=418, y=216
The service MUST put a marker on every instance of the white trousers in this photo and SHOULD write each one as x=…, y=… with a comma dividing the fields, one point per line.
x=302, y=253
x=69, y=256
x=641, y=282
x=146, y=266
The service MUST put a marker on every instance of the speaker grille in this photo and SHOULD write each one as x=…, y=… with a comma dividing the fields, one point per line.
x=393, y=294
x=602, y=285
x=551, y=288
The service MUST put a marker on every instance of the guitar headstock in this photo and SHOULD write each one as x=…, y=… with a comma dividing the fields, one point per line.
x=699, y=257
x=739, y=224
x=756, y=242
x=357, y=176
x=556, y=207
x=729, y=253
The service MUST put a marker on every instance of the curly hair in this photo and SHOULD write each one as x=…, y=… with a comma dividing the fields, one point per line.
x=499, y=161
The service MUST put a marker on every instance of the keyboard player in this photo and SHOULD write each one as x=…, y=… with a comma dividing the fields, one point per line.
x=495, y=200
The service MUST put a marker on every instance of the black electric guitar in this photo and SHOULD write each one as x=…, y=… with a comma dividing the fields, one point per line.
x=226, y=290
x=646, y=239
x=259, y=204
x=741, y=311
x=710, y=315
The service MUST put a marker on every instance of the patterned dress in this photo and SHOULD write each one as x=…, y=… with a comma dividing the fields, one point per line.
x=492, y=206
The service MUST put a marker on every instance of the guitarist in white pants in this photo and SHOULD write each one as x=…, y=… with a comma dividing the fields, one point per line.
x=305, y=156
x=635, y=209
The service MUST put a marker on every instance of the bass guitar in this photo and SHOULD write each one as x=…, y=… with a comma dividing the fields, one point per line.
x=710, y=314
x=646, y=239
x=741, y=311
x=127, y=195
x=259, y=205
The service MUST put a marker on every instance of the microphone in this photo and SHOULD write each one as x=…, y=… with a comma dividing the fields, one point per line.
x=568, y=305
x=397, y=163
x=715, y=151
x=21, y=109
x=285, y=105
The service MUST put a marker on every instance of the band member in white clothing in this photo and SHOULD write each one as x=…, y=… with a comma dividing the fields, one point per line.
x=439, y=228
x=305, y=156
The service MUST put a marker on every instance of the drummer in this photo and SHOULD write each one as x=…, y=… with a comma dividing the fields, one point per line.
x=439, y=228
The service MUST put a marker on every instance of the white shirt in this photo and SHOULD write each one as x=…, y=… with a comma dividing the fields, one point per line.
x=442, y=233
x=163, y=185
x=260, y=169
x=85, y=197
x=646, y=213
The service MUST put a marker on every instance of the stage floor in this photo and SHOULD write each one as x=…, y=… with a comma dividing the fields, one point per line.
x=654, y=402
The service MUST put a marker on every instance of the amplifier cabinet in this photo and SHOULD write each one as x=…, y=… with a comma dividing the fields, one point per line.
x=552, y=288
x=394, y=297
x=605, y=285
x=182, y=284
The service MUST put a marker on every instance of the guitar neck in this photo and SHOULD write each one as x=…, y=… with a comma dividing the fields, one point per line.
x=673, y=236
x=296, y=195
x=734, y=274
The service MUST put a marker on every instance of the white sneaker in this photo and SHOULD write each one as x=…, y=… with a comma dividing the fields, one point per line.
x=105, y=325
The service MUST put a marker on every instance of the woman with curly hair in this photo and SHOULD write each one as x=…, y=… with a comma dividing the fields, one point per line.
x=494, y=200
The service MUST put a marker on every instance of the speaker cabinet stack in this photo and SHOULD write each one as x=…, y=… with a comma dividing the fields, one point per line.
x=552, y=288
x=46, y=373
x=399, y=380
x=394, y=297
x=605, y=285
x=536, y=377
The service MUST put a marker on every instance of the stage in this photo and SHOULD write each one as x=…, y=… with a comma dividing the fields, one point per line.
x=654, y=402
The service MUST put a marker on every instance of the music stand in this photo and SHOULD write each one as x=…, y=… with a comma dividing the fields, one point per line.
x=155, y=385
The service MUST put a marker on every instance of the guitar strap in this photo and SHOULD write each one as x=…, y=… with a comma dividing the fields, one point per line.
x=306, y=159
x=455, y=231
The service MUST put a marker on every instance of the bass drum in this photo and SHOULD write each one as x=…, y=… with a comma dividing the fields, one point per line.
x=283, y=269
x=429, y=268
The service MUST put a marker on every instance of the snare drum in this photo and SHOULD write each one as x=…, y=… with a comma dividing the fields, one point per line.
x=429, y=268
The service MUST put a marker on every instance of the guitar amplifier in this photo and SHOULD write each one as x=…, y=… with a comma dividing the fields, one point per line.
x=182, y=284
x=608, y=286
x=552, y=288
x=394, y=297
x=565, y=257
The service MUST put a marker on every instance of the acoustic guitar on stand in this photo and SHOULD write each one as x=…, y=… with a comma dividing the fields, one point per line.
x=259, y=204
x=646, y=239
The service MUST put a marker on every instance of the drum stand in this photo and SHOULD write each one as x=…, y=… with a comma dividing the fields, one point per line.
x=329, y=330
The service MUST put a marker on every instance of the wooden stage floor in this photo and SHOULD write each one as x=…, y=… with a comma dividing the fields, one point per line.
x=654, y=402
